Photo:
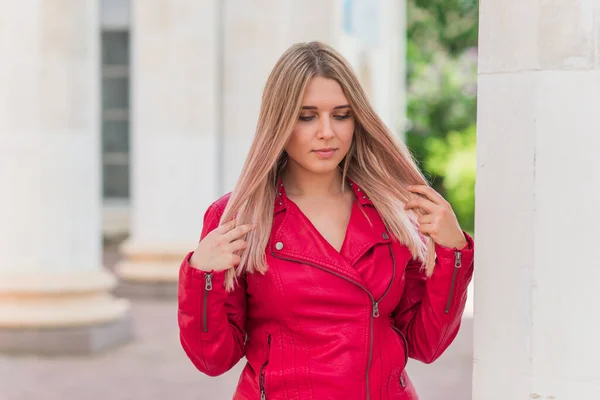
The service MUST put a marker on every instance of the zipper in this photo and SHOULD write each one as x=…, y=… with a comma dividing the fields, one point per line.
x=263, y=394
x=402, y=382
x=457, y=265
x=207, y=288
x=375, y=303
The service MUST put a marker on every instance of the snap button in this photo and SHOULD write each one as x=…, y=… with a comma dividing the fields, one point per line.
x=279, y=245
x=385, y=235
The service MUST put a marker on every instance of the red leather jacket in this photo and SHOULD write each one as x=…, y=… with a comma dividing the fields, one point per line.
x=322, y=324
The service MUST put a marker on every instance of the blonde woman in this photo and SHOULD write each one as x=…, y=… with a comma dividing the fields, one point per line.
x=332, y=261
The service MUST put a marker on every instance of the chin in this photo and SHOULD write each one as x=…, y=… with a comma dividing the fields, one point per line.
x=323, y=167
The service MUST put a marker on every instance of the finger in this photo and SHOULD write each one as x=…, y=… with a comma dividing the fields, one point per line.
x=427, y=229
x=238, y=232
x=428, y=192
x=237, y=245
x=426, y=219
x=422, y=203
x=235, y=260
x=226, y=227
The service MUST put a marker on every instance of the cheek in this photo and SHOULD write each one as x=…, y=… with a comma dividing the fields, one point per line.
x=346, y=134
x=299, y=142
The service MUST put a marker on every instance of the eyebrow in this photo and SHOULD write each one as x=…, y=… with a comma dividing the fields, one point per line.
x=316, y=108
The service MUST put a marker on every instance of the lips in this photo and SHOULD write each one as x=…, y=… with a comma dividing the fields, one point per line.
x=325, y=153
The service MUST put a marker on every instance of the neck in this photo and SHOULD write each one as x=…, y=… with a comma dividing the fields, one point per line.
x=299, y=182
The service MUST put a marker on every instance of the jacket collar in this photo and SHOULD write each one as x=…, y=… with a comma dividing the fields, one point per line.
x=294, y=237
x=361, y=196
x=281, y=200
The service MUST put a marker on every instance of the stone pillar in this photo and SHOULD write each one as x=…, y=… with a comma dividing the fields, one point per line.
x=173, y=139
x=54, y=294
x=389, y=66
x=373, y=39
x=537, y=223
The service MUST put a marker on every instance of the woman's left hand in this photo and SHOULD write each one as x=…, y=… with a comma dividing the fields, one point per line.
x=440, y=223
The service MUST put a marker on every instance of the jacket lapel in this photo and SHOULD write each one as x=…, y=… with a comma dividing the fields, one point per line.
x=295, y=238
x=365, y=230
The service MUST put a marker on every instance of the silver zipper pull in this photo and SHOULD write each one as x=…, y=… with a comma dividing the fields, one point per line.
x=208, y=282
x=402, y=383
x=457, y=259
x=263, y=396
x=375, y=309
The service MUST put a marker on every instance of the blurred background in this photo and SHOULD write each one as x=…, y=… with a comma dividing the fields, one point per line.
x=122, y=120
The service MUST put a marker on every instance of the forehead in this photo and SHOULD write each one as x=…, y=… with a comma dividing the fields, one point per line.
x=324, y=93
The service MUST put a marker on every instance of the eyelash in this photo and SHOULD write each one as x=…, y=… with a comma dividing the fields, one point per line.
x=337, y=117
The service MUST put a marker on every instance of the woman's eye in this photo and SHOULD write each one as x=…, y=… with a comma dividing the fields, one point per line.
x=342, y=117
x=336, y=117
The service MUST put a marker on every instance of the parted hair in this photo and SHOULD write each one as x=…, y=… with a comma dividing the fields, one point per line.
x=379, y=163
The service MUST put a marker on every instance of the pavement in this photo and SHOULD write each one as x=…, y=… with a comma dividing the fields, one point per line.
x=154, y=367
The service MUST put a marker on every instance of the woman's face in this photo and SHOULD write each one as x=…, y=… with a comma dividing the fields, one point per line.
x=323, y=133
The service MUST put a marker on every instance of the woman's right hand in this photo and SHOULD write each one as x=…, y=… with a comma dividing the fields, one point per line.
x=216, y=252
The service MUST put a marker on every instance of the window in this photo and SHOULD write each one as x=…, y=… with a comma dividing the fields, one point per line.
x=115, y=114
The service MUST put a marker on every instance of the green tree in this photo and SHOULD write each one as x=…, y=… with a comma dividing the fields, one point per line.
x=454, y=157
x=441, y=104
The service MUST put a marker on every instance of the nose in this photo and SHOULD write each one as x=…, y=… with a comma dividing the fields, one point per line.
x=325, y=129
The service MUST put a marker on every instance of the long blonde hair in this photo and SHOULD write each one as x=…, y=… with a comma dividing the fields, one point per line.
x=381, y=165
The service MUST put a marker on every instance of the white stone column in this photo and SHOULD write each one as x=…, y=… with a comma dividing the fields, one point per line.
x=173, y=137
x=373, y=39
x=54, y=294
x=389, y=67
x=537, y=221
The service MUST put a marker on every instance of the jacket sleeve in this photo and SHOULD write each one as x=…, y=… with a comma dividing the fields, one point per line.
x=430, y=310
x=211, y=320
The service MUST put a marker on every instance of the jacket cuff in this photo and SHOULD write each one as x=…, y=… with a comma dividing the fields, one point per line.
x=448, y=252
x=190, y=276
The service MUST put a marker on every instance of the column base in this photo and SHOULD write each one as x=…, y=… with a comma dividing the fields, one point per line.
x=57, y=314
x=146, y=290
x=149, y=272
x=81, y=340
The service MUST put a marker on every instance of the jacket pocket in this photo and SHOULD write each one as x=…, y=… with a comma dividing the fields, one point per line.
x=404, y=342
x=397, y=381
x=261, y=378
x=397, y=384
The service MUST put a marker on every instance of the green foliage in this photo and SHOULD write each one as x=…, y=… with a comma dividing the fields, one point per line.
x=450, y=24
x=453, y=157
x=441, y=104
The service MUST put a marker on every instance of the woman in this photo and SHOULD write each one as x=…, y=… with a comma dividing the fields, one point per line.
x=332, y=261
